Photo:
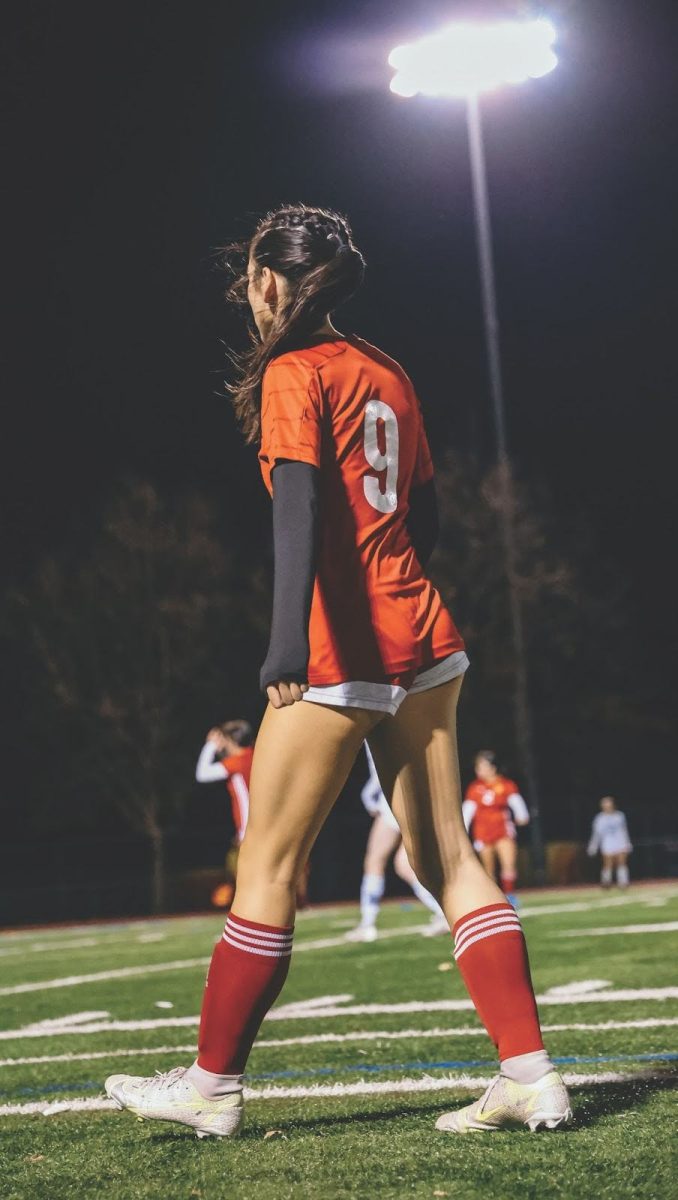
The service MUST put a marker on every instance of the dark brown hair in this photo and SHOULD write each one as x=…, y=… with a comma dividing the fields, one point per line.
x=240, y=731
x=313, y=248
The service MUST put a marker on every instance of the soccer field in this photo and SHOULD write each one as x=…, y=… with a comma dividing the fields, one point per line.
x=368, y=1044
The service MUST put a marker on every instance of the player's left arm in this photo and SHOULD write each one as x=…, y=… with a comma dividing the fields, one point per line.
x=519, y=809
x=629, y=845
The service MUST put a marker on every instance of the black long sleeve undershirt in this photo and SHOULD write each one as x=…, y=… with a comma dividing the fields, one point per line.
x=295, y=530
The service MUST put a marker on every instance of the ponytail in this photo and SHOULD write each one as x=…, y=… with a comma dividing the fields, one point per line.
x=313, y=249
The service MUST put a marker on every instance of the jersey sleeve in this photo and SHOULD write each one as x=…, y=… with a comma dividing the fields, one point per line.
x=291, y=417
x=423, y=465
x=518, y=806
x=468, y=812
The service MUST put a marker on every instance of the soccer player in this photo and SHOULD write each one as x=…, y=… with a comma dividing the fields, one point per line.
x=227, y=754
x=361, y=647
x=385, y=838
x=610, y=836
x=492, y=808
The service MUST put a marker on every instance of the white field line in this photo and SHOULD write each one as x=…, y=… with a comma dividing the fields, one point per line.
x=317, y=1039
x=99, y=976
x=111, y=934
x=443, y=1083
x=603, y=931
x=300, y=947
x=293, y=1012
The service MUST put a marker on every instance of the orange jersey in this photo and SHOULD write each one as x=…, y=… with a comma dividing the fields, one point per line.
x=491, y=818
x=346, y=408
x=239, y=768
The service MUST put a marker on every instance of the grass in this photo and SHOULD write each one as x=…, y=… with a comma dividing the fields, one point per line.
x=343, y=1145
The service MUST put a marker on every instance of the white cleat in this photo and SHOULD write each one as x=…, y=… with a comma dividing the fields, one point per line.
x=507, y=1105
x=171, y=1097
x=362, y=933
x=436, y=926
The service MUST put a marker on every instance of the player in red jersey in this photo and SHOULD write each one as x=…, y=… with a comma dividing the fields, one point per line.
x=227, y=755
x=361, y=647
x=492, y=808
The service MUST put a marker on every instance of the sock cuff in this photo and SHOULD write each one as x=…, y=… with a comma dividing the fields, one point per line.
x=267, y=941
x=482, y=923
x=257, y=927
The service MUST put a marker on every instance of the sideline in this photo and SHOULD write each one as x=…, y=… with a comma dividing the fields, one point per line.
x=327, y=1090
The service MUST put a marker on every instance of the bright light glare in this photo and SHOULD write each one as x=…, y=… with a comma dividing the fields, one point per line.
x=465, y=59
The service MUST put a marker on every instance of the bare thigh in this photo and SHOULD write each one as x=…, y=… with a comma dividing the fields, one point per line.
x=381, y=843
x=417, y=759
x=507, y=851
x=302, y=758
x=488, y=857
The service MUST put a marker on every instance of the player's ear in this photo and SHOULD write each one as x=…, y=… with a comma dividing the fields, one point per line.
x=269, y=288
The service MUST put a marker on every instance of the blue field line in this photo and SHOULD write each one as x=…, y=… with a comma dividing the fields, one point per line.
x=367, y=1068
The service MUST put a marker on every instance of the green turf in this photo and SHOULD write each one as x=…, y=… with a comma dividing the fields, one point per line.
x=344, y=1146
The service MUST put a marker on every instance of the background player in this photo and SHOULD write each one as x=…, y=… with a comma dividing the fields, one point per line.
x=610, y=835
x=385, y=838
x=362, y=647
x=492, y=808
x=227, y=755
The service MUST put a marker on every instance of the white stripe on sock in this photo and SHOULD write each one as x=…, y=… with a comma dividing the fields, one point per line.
x=501, y=910
x=491, y=923
x=256, y=949
x=479, y=937
x=255, y=941
x=264, y=934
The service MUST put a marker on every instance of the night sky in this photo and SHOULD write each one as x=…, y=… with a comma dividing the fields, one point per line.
x=141, y=137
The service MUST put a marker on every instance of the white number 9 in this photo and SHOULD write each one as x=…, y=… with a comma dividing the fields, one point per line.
x=386, y=501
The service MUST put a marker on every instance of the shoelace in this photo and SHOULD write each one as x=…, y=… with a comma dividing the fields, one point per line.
x=165, y=1079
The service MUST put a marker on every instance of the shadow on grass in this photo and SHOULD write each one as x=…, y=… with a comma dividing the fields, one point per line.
x=590, y=1103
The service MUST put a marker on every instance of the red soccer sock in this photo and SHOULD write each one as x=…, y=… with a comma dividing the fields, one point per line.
x=247, y=972
x=491, y=954
x=508, y=882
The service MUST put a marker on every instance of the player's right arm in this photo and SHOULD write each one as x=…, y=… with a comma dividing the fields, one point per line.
x=290, y=441
x=207, y=770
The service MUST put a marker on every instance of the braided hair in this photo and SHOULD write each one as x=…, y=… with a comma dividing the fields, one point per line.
x=313, y=249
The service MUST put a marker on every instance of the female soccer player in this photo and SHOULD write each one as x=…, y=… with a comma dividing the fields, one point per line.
x=361, y=647
x=610, y=835
x=227, y=754
x=385, y=839
x=492, y=805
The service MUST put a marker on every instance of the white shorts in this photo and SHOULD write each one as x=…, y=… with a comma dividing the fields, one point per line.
x=387, y=697
x=385, y=811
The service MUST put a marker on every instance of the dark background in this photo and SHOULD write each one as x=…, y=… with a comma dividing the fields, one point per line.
x=140, y=138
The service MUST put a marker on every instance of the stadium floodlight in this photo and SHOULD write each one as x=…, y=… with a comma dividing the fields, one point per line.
x=466, y=59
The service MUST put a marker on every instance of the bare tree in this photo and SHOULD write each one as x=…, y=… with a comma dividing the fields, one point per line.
x=125, y=643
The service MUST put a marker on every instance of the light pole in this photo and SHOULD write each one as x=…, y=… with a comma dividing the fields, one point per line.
x=465, y=60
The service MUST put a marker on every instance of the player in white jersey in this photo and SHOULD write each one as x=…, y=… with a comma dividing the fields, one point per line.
x=610, y=836
x=385, y=837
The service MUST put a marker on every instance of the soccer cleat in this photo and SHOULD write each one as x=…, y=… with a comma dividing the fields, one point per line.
x=362, y=933
x=436, y=925
x=507, y=1105
x=170, y=1097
